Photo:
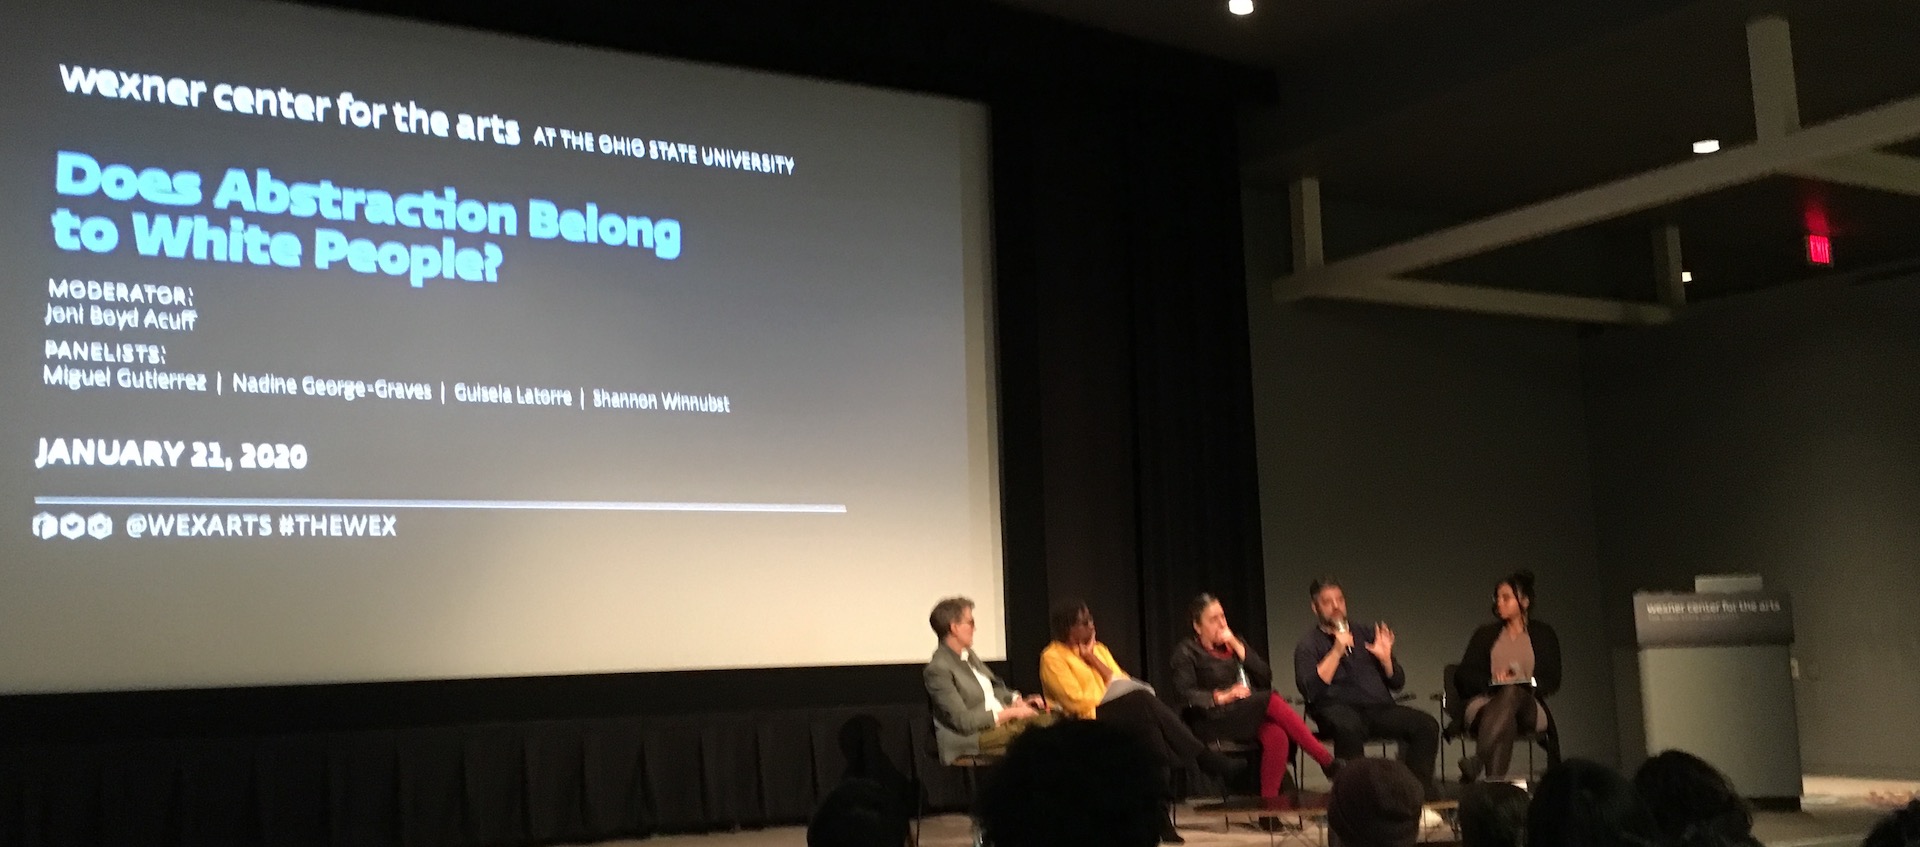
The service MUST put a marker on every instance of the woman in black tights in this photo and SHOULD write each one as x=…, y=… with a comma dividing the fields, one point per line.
x=1510, y=668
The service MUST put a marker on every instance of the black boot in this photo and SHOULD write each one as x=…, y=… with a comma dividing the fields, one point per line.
x=1332, y=768
x=1223, y=768
x=1168, y=834
x=1469, y=769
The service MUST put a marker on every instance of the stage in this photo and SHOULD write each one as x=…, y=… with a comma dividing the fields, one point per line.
x=1836, y=811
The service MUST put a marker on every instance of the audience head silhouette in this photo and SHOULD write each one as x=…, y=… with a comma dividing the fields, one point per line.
x=859, y=813
x=1694, y=803
x=1493, y=814
x=1582, y=803
x=1075, y=784
x=1375, y=803
x=1899, y=829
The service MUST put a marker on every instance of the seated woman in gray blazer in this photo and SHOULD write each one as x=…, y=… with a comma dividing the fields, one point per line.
x=973, y=711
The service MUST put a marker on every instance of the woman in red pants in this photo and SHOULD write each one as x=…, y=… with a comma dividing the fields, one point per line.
x=1226, y=689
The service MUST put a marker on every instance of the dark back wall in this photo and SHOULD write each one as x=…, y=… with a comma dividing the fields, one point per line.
x=1127, y=481
x=1778, y=433
x=1419, y=456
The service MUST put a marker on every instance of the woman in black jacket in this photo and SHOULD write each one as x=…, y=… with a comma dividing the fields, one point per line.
x=1509, y=669
x=1226, y=690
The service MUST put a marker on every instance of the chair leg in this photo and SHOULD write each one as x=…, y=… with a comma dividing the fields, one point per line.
x=973, y=801
x=1459, y=762
x=1180, y=788
x=1299, y=774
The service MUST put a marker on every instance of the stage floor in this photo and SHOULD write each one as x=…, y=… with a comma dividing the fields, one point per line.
x=1836, y=811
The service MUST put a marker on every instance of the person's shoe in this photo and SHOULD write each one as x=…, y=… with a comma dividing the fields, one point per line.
x=1332, y=768
x=1223, y=768
x=1169, y=834
x=1469, y=769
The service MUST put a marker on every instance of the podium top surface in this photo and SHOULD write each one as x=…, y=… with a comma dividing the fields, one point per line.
x=1722, y=583
x=1712, y=619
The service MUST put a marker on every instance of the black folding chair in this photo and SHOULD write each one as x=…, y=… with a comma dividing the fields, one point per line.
x=971, y=768
x=1326, y=738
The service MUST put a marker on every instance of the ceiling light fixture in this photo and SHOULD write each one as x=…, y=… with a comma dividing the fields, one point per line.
x=1240, y=7
x=1706, y=145
x=1686, y=276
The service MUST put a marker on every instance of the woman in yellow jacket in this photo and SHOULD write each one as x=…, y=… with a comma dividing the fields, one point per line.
x=1077, y=673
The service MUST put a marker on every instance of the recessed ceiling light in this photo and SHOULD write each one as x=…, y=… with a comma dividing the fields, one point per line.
x=1686, y=276
x=1240, y=7
x=1706, y=145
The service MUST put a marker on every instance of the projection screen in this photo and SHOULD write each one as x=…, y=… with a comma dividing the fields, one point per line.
x=341, y=348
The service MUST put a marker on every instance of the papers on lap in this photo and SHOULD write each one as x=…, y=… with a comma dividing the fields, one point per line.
x=1122, y=687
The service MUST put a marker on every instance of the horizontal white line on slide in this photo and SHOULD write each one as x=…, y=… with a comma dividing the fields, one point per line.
x=1822, y=841
x=523, y=505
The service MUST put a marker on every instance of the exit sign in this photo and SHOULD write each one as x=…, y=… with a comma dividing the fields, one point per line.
x=1819, y=250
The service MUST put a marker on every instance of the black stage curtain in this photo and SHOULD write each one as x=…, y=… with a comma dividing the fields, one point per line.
x=520, y=783
x=1127, y=464
x=1119, y=263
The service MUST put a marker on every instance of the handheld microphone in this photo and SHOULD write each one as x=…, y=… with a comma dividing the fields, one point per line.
x=1342, y=627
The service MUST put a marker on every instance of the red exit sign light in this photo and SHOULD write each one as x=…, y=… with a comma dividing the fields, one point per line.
x=1819, y=250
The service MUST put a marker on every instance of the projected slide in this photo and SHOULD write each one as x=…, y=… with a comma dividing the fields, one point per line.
x=340, y=348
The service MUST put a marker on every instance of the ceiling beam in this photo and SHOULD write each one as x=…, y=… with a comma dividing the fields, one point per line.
x=1502, y=301
x=1776, y=92
x=1669, y=271
x=1309, y=236
x=1776, y=113
x=1873, y=169
x=1862, y=131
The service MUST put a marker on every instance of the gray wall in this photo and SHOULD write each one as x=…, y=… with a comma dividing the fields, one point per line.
x=1419, y=456
x=1779, y=433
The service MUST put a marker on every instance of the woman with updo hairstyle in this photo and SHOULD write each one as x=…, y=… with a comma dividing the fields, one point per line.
x=1510, y=668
